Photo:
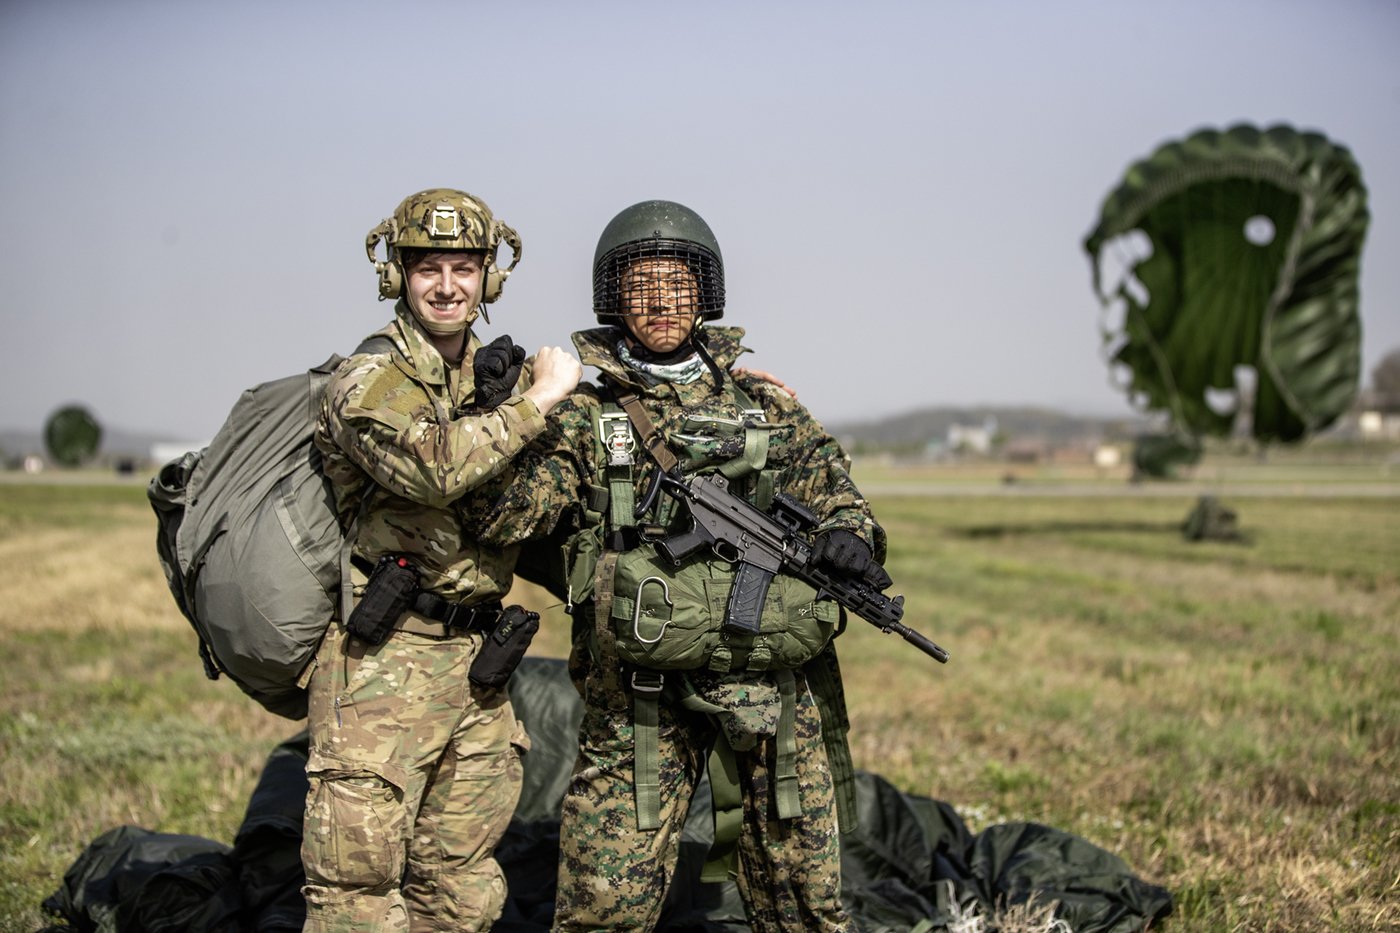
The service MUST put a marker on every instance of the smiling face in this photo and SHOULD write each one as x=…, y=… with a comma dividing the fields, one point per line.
x=660, y=298
x=444, y=289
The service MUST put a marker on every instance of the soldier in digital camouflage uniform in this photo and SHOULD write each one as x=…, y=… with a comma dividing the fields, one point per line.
x=414, y=772
x=658, y=278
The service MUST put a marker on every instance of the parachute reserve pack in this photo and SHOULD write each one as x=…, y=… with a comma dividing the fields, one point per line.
x=669, y=617
x=249, y=540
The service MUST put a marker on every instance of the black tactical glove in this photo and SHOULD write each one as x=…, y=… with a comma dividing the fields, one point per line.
x=496, y=370
x=846, y=555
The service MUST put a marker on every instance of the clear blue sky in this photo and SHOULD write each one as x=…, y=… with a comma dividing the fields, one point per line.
x=900, y=189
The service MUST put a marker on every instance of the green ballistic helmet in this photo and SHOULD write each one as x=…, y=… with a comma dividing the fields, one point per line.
x=657, y=230
x=441, y=219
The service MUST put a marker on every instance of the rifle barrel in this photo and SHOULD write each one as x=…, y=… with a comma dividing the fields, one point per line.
x=920, y=641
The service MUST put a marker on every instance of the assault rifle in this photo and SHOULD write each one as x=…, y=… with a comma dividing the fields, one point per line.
x=763, y=545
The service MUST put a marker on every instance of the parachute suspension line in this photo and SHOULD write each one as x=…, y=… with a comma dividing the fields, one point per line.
x=1120, y=292
x=1307, y=206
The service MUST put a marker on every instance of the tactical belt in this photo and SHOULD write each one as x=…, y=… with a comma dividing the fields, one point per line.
x=440, y=618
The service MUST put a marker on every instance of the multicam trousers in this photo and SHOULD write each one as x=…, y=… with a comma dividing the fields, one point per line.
x=414, y=775
x=613, y=877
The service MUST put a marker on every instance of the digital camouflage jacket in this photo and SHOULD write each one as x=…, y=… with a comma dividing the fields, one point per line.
x=405, y=421
x=554, y=472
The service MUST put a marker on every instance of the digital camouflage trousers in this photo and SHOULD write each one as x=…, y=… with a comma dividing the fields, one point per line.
x=614, y=877
x=414, y=775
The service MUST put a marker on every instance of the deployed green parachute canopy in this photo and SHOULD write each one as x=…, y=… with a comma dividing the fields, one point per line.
x=72, y=435
x=1232, y=260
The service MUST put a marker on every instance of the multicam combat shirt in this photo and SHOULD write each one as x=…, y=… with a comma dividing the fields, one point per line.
x=405, y=420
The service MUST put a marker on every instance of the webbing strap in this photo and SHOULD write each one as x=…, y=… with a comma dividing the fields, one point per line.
x=764, y=489
x=722, y=862
x=754, y=457
x=756, y=437
x=595, y=502
x=604, y=638
x=347, y=545
x=824, y=679
x=646, y=753
x=615, y=431
x=651, y=438
x=785, y=764
x=620, y=498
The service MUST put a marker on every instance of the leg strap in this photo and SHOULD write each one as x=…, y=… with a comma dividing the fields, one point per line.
x=824, y=678
x=646, y=767
x=785, y=764
x=728, y=804
x=727, y=797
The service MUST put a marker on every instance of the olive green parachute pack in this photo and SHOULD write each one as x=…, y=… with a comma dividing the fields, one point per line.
x=249, y=540
x=664, y=617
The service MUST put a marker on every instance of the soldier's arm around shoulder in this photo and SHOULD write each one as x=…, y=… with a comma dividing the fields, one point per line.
x=818, y=471
x=549, y=480
x=387, y=425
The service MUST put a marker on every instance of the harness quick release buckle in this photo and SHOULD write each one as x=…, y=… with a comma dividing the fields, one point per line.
x=650, y=682
x=617, y=438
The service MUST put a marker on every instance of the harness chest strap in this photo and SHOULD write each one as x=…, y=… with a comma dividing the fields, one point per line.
x=752, y=461
x=616, y=434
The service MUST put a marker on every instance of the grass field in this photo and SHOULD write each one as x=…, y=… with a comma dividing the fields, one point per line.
x=1226, y=717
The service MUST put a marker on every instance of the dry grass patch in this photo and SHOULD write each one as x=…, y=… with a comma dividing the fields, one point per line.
x=78, y=578
x=1226, y=718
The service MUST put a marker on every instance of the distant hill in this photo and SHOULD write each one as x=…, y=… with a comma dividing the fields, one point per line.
x=916, y=429
x=913, y=430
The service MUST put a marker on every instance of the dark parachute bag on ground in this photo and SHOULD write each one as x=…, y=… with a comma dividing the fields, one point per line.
x=249, y=540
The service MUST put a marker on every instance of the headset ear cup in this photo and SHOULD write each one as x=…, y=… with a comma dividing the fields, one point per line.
x=390, y=281
x=495, y=281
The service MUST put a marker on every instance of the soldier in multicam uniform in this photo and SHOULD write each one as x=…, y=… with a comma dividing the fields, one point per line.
x=414, y=771
x=658, y=278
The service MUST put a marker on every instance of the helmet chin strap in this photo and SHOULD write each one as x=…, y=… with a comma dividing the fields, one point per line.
x=709, y=360
x=438, y=329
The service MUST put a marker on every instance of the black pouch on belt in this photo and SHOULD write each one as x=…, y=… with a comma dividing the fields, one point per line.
x=504, y=647
x=388, y=595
